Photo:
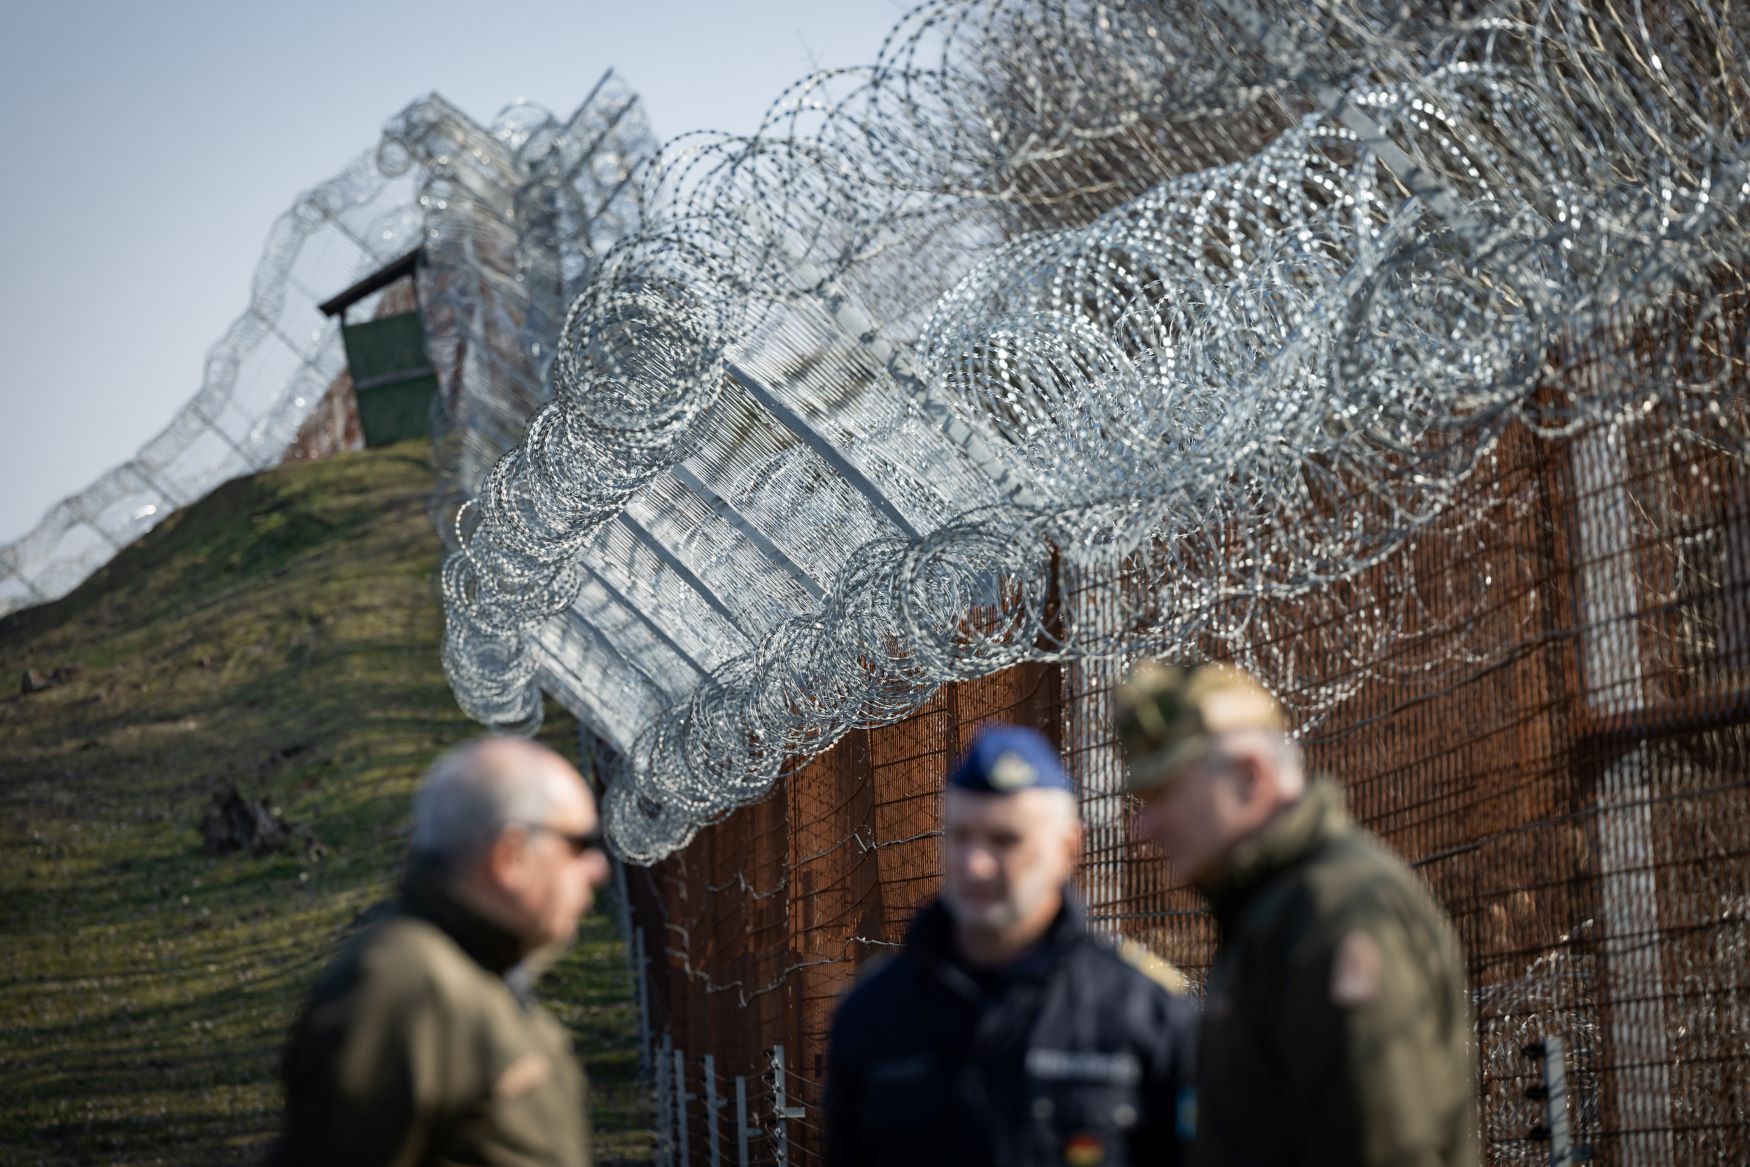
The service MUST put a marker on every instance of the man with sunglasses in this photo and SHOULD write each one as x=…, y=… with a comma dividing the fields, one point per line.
x=421, y=1043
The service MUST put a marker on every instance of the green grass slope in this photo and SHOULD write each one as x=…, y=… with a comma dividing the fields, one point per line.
x=282, y=635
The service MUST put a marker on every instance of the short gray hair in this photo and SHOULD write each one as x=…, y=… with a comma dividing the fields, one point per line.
x=472, y=793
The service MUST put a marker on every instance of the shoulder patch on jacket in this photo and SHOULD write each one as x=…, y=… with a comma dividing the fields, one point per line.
x=1357, y=971
x=1144, y=961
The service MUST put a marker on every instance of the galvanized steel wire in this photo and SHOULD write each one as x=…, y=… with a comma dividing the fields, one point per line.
x=512, y=216
x=1265, y=371
x=1249, y=293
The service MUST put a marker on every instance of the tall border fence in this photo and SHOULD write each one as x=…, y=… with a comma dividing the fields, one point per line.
x=1558, y=738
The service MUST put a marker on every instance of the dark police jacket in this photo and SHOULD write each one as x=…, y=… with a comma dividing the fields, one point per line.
x=1072, y=1055
x=413, y=1049
x=1337, y=1024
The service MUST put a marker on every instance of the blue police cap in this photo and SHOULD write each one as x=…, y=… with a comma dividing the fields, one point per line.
x=1004, y=759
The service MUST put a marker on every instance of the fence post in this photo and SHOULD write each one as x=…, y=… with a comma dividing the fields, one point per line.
x=640, y=976
x=782, y=1111
x=681, y=1098
x=664, y=1128
x=712, y=1105
x=1555, y=1100
x=741, y=1121
x=1613, y=673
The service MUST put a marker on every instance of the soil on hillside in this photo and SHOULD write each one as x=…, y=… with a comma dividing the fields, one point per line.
x=278, y=639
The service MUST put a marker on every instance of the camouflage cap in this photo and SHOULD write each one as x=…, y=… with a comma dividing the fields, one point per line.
x=1170, y=715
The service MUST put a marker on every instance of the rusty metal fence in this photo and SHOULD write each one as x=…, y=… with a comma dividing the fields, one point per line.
x=1554, y=729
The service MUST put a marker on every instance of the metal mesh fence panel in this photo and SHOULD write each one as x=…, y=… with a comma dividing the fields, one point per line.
x=1556, y=735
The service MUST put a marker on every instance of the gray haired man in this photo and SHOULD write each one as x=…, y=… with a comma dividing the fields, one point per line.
x=419, y=1044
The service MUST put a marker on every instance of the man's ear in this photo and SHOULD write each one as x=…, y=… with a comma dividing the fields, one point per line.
x=1076, y=835
x=502, y=855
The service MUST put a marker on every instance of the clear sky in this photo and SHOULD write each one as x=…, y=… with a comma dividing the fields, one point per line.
x=149, y=145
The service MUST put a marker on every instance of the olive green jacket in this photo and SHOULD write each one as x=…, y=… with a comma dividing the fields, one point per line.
x=413, y=1049
x=1337, y=1027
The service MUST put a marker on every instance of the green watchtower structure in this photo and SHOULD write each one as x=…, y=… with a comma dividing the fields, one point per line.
x=392, y=377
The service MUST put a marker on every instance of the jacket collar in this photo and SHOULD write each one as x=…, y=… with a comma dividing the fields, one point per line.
x=930, y=939
x=428, y=893
x=1302, y=827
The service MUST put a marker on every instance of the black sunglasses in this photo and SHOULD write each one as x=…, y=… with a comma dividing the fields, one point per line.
x=580, y=845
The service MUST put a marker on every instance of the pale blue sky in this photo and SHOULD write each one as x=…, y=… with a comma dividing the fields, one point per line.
x=148, y=146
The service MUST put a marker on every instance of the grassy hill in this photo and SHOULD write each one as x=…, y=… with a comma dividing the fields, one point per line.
x=281, y=635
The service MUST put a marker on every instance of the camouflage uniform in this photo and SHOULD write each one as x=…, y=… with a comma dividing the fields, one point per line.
x=1337, y=1024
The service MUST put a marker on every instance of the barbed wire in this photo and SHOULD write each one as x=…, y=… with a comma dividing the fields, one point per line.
x=512, y=217
x=261, y=381
x=1242, y=297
